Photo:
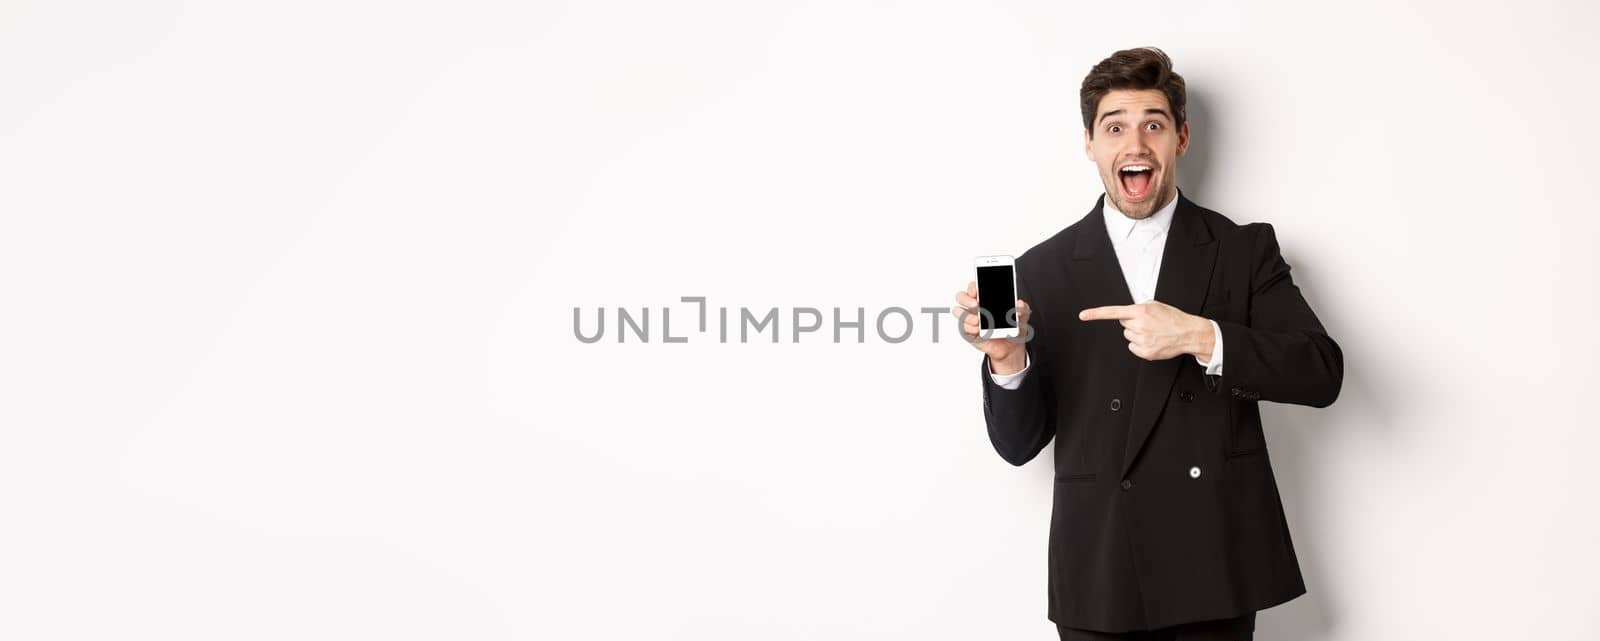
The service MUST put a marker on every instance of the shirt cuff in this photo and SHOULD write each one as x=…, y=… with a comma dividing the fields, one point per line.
x=1009, y=381
x=1214, y=368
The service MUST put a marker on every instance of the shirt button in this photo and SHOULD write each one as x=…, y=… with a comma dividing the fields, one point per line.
x=1116, y=404
x=1194, y=472
x=1126, y=484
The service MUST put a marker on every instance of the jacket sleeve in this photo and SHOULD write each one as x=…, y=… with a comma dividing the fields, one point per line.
x=1283, y=354
x=1021, y=421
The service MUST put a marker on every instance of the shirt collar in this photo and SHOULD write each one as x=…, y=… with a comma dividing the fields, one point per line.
x=1119, y=226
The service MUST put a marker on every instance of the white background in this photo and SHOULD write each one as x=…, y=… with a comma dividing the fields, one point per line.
x=287, y=346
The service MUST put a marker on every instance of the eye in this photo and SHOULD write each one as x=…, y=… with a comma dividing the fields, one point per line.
x=1114, y=129
x=1154, y=126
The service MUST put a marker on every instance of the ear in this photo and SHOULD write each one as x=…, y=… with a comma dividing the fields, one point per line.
x=1088, y=145
x=1183, y=138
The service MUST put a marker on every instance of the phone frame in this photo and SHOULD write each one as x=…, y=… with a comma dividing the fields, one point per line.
x=997, y=261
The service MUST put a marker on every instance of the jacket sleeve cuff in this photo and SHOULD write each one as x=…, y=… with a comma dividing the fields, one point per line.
x=1009, y=381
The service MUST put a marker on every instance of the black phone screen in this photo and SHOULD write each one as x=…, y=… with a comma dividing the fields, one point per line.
x=997, y=294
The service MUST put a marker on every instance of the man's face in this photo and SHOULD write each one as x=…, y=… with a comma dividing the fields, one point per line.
x=1134, y=129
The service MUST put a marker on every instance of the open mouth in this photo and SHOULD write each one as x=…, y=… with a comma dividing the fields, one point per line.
x=1136, y=179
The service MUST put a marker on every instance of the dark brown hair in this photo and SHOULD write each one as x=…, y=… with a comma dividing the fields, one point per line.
x=1142, y=68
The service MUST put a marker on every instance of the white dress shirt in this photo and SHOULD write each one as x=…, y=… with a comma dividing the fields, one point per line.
x=1139, y=245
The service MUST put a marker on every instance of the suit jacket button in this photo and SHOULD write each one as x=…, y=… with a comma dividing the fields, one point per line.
x=1186, y=395
x=1194, y=472
x=1127, y=484
x=1116, y=404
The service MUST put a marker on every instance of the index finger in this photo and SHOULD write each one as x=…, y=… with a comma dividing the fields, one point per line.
x=1109, y=312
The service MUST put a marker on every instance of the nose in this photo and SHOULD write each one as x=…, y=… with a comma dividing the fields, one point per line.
x=1140, y=145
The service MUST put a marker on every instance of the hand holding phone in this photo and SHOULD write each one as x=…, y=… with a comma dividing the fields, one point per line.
x=992, y=318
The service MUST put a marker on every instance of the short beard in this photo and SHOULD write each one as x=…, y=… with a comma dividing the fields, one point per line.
x=1153, y=204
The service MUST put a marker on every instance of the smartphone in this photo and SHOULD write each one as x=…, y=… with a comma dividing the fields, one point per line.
x=997, y=295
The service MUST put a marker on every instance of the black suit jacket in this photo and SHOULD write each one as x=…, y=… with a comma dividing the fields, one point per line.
x=1165, y=508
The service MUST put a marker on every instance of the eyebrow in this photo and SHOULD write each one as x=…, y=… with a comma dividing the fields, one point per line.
x=1117, y=112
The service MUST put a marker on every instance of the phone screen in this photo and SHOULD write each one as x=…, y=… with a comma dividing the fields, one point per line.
x=997, y=293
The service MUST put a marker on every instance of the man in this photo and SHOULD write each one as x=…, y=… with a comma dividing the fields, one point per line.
x=1154, y=327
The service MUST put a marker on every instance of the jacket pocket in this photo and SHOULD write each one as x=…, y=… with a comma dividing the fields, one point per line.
x=1076, y=478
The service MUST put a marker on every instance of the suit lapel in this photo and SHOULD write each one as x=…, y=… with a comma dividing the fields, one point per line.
x=1186, y=263
x=1094, y=269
